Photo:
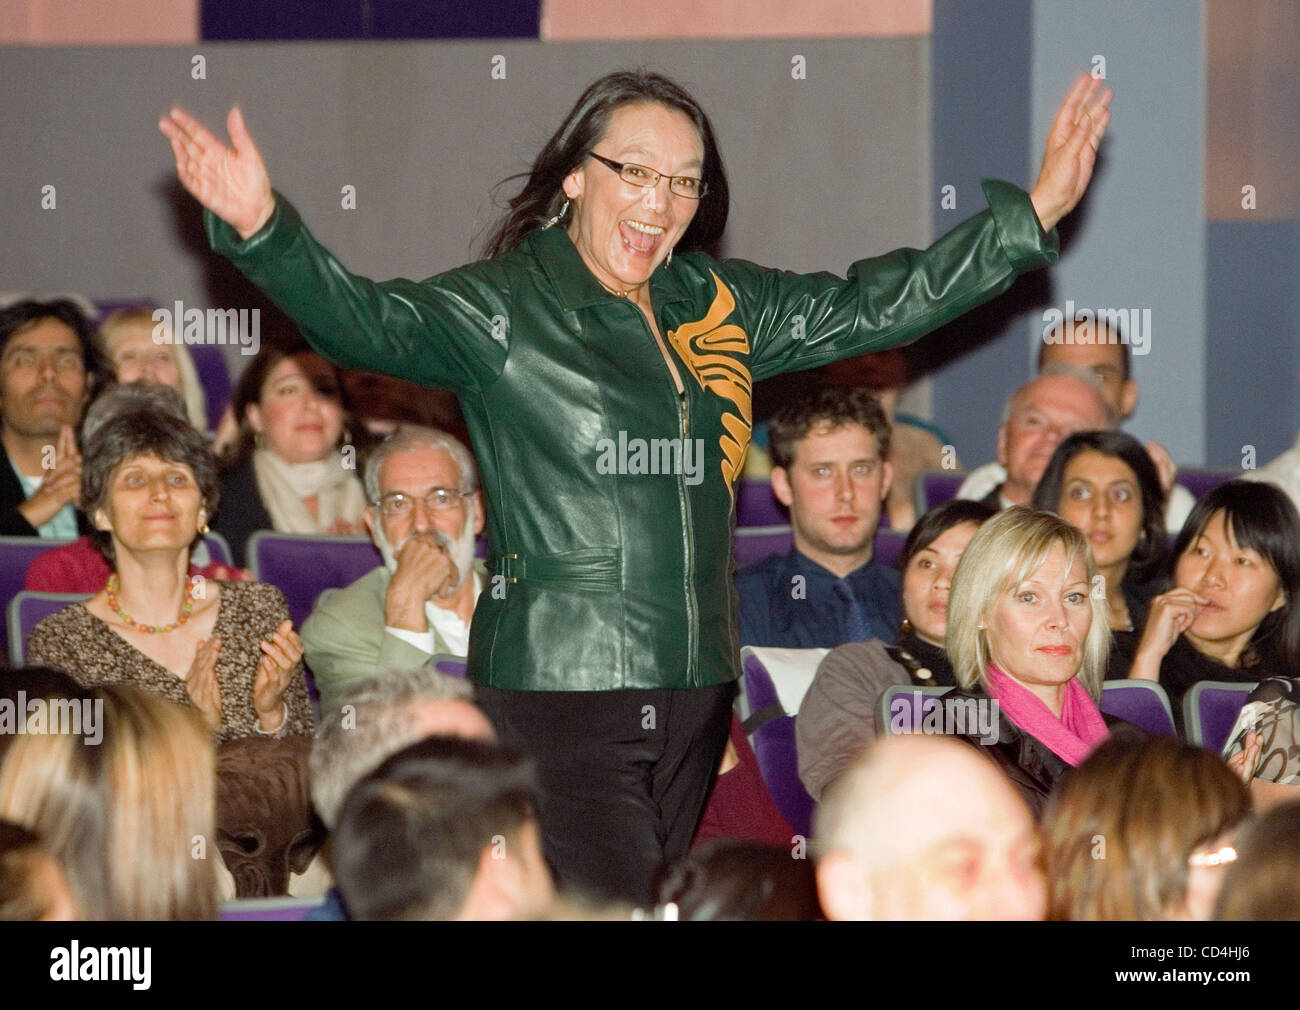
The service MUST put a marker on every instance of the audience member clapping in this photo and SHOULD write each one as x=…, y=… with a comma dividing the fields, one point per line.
x=224, y=648
x=923, y=828
x=129, y=817
x=1142, y=830
x=838, y=716
x=1105, y=484
x=48, y=367
x=79, y=567
x=1025, y=631
x=290, y=469
x=1231, y=613
x=444, y=829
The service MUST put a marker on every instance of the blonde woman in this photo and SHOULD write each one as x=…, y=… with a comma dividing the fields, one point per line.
x=1027, y=631
x=126, y=341
x=131, y=817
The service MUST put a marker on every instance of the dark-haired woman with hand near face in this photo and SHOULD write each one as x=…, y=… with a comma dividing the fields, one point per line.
x=1232, y=611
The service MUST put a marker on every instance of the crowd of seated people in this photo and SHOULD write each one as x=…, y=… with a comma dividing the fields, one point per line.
x=1021, y=605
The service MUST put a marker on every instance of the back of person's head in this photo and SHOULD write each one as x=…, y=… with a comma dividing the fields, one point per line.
x=738, y=881
x=1124, y=447
x=925, y=827
x=1262, y=885
x=32, y=884
x=379, y=716
x=22, y=684
x=1261, y=518
x=1121, y=829
x=125, y=398
x=832, y=408
x=417, y=837
x=1005, y=551
x=130, y=815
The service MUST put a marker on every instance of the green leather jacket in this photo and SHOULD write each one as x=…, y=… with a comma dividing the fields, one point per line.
x=610, y=573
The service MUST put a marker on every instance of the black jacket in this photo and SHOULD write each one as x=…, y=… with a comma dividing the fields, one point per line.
x=240, y=512
x=1033, y=767
x=12, y=523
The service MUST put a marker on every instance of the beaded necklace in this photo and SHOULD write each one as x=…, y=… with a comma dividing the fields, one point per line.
x=186, y=609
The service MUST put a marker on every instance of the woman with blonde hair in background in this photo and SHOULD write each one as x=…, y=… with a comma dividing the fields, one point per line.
x=128, y=341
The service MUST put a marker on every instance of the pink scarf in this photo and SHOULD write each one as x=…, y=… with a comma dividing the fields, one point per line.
x=1070, y=737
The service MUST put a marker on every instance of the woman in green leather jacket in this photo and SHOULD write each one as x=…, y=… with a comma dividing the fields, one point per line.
x=605, y=367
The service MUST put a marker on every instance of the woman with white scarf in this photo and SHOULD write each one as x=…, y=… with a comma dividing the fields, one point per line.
x=294, y=468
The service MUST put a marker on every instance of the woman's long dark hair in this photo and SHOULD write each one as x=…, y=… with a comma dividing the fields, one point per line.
x=543, y=195
x=1262, y=519
x=1149, y=552
x=248, y=390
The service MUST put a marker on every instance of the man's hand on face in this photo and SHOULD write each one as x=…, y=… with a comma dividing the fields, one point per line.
x=425, y=573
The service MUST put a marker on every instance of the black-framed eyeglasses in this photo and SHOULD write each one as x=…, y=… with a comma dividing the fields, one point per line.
x=396, y=504
x=639, y=175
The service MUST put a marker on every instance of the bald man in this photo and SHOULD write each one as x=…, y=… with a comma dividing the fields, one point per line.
x=1037, y=418
x=926, y=828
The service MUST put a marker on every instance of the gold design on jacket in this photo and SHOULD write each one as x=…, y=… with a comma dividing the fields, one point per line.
x=706, y=347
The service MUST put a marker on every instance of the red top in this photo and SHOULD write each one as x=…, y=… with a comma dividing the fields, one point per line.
x=79, y=568
x=740, y=805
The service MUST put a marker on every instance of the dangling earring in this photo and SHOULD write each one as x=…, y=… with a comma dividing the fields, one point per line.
x=905, y=627
x=669, y=261
x=556, y=219
x=203, y=529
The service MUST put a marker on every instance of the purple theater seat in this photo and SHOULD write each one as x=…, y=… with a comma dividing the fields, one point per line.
x=754, y=543
x=889, y=545
x=269, y=909
x=936, y=487
x=214, y=377
x=1141, y=702
x=907, y=706
x=1200, y=481
x=452, y=666
x=16, y=556
x=1209, y=710
x=303, y=565
x=773, y=739
x=28, y=609
x=756, y=505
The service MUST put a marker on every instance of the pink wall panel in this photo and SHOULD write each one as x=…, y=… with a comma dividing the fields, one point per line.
x=565, y=20
x=95, y=22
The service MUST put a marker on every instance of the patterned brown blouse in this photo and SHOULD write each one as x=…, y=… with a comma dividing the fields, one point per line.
x=79, y=643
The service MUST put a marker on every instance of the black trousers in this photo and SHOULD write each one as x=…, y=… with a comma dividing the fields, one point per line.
x=624, y=776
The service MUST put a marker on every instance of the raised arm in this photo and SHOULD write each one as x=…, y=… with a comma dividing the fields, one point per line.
x=798, y=321
x=232, y=182
x=449, y=331
x=1071, y=150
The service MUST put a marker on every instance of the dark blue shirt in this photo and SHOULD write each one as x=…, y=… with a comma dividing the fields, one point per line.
x=789, y=601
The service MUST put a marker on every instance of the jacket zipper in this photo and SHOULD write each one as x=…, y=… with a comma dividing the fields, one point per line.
x=692, y=604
